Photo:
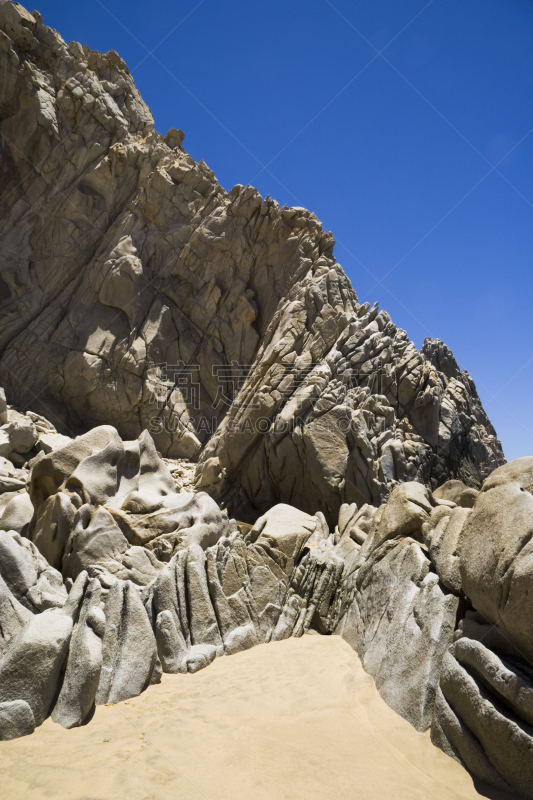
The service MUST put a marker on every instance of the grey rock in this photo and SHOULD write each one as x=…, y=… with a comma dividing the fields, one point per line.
x=16, y=565
x=198, y=657
x=129, y=651
x=16, y=719
x=312, y=587
x=203, y=620
x=156, y=270
x=32, y=662
x=52, y=525
x=10, y=484
x=400, y=619
x=82, y=674
x=496, y=552
x=285, y=528
x=450, y=733
x=483, y=715
x=28, y=575
x=409, y=507
x=96, y=539
x=13, y=615
x=22, y=435
x=102, y=502
x=177, y=522
x=171, y=645
x=441, y=535
x=273, y=583
x=457, y=492
x=17, y=514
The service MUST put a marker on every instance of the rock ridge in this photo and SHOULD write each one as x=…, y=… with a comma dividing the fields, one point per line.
x=211, y=444
x=136, y=292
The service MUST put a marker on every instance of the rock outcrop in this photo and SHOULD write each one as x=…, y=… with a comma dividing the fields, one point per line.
x=202, y=357
x=122, y=573
x=483, y=711
x=136, y=292
x=395, y=611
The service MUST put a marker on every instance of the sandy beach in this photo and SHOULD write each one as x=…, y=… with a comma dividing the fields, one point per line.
x=293, y=719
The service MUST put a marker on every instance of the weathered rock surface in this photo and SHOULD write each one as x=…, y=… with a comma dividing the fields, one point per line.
x=456, y=492
x=82, y=674
x=483, y=714
x=145, y=310
x=28, y=575
x=16, y=719
x=136, y=292
x=33, y=660
x=394, y=610
x=441, y=536
x=99, y=501
x=129, y=656
x=146, y=578
x=496, y=552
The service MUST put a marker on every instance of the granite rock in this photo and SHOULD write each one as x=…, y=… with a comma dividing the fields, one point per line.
x=16, y=719
x=186, y=355
x=483, y=715
x=496, y=552
x=136, y=292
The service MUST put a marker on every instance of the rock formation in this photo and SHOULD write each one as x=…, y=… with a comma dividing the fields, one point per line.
x=203, y=357
x=136, y=292
x=117, y=573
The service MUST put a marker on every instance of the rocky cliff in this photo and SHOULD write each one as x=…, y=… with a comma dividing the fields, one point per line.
x=135, y=291
x=180, y=356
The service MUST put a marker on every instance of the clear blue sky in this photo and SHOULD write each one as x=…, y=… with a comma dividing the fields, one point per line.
x=392, y=120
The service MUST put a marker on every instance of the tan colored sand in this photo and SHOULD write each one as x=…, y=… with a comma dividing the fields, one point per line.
x=284, y=721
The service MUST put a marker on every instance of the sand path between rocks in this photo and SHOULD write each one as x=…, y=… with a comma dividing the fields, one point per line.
x=288, y=720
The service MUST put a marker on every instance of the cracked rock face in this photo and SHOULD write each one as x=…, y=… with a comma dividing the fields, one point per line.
x=190, y=355
x=122, y=572
x=136, y=292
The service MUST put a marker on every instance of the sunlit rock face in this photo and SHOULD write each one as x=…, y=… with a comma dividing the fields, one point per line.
x=118, y=572
x=217, y=446
x=136, y=292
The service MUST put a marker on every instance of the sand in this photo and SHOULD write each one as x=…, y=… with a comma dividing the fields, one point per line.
x=284, y=721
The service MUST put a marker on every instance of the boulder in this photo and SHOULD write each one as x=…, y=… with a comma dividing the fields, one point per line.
x=198, y=657
x=22, y=435
x=28, y=575
x=176, y=522
x=33, y=660
x=129, y=651
x=405, y=513
x=17, y=514
x=441, y=536
x=496, y=552
x=171, y=645
x=102, y=502
x=484, y=713
x=82, y=674
x=399, y=618
x=457, y=492
x=16, y=719
x=285, y=528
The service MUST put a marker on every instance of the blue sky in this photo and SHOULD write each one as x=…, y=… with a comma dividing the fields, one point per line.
x=407, y=127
